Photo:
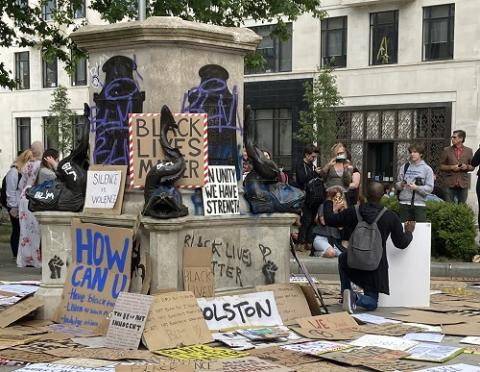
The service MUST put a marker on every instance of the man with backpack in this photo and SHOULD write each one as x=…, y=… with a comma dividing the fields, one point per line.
x=365, y=261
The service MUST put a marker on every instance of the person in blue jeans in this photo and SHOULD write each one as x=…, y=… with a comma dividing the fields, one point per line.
x=375, y=281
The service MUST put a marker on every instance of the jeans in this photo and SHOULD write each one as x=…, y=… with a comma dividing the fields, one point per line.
x=415, y=213
x=369, y=299
x=456, y=194
x=15, y=235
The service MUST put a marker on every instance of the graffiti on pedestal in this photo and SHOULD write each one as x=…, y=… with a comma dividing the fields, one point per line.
x=212, y=96
x=120, y=95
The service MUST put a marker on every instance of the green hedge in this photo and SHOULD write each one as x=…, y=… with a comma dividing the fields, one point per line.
x=453, y=228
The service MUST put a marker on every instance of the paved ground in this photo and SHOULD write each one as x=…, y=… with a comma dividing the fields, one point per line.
x=9, y=270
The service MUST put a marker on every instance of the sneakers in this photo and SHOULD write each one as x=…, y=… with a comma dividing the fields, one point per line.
x=349, y=301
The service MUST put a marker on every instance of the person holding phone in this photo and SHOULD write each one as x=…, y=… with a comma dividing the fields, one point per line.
x=338, y=172
x=455, y=163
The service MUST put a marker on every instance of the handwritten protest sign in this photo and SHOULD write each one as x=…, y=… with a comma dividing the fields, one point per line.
x=153, y=368
x=105, y=188
x=316, y=347
x=174, y=320
x=386, y=342
x=248, y=310
x=220, y=194
x=290, y=301
x=366, y=354
x=337, y=326
x=281, y=356
x=128, y=320
x=433, y=353
x=99, y=272
x=201, y=352
x=197, y=271
x=51, y=367
x=249, y=364
x=146, y=150
x=102, y=353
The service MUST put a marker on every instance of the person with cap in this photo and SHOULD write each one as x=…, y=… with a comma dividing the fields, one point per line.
x=29, y=243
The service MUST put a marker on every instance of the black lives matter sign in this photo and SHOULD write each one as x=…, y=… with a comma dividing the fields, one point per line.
x=220, y=194
x=145, y=150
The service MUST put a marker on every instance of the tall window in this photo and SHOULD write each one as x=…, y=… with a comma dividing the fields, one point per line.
x=47, y=10
x=277, y=53
x=23, y=134
x=22, y=70
x=49, y=73
x=383, y=37
x=79, y=12
x=334, y=42
x=79, y=74
x=50, y=134
x=438, y=30
x=273, y=132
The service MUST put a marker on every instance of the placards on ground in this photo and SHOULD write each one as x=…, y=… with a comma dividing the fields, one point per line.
x=105, y=188
x=220, y=194
x=99, y=271
x=146, y=150
x=175, y=320
x=128, y=320
x=290, y=300
x=202, y=352
x=19, y=310
x=240, y=311
x=197, y=271
x=337, y=326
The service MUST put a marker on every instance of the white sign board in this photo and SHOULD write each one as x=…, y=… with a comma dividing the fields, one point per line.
x=50, y=367
x=128, y=320
x=257, y=309
x=385, y=342
x=220, y=194
x=102, y=188
x=409, y=271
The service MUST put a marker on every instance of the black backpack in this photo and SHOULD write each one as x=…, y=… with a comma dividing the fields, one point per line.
x=3, y=192
x=365, y=248
x=315, y=192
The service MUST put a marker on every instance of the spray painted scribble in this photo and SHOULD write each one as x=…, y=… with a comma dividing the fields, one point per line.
x=213, y=97
x=120, y=96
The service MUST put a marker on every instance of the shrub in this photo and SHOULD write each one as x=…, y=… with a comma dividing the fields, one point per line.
x=453, y=228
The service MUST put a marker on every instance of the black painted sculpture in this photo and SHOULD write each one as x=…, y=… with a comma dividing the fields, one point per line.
x=263, y=191
x=67, y=191
x=162, y=199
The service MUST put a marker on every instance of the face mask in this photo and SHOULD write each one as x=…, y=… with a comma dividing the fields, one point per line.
x=391, y=193
x=341, y=157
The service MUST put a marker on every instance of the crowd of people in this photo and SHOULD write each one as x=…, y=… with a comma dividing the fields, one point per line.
x=31, y=167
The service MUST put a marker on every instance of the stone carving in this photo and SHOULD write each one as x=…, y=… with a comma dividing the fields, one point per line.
x=263, y=191
x=162, y=199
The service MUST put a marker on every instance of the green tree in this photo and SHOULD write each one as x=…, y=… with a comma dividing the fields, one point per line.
x=318, y=121
x=60, y=120
x=22, y=25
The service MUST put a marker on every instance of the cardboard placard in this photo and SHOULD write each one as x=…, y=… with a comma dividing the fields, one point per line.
x=83, y=362
x=146, y=150
x=291, y=302
x=316, y=347
x=385, y=342
x=54, y=367
x=249, y=364
x=197, y=271
x=283, y=357
x=201, y=352
x=427, y=317
x=321, y=366
x=220, y=194
x=460, y=367
x=105, y=189
x=468, y=329
x=433, y=353
x=128, y=320
x=19, y=310
x=175, y=319
x=101, y=353
x=337, y=326
x=153, y=368
x=370, y=354
x=26, y=356
x=257, y=309
x=99, y=272
x=388, y=329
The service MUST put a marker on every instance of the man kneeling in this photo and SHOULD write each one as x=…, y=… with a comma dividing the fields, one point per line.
x=373, y=281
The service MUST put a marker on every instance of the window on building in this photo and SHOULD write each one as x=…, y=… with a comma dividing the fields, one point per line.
x=79, y=74
x=23, y=134
x=383, y=37
x=48, y=9
x=438, y=30
x=334, y=42
x=273, y=132
x=79, y=123
x=50, y=134
x=49, y=73
x=22, y=70
x=79, y=12
x=277, y=53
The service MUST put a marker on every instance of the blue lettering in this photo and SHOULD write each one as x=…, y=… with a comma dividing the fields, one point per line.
x=116, y=292
x=98, y=251
x=114, y=257
x=84, y=246
x=75, y=282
